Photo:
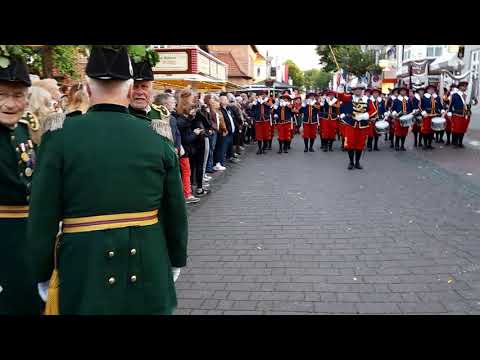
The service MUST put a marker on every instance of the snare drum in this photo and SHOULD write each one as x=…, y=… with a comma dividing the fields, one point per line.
x=438, y=123
x=382, y=127
x=406, y=120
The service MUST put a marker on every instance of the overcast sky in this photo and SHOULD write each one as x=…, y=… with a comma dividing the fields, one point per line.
x=302, y=55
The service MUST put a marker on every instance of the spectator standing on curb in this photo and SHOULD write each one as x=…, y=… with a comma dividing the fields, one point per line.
x=192, y=141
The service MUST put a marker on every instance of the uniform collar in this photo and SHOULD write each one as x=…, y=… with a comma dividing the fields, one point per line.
x=132, y=110
x=109, y=107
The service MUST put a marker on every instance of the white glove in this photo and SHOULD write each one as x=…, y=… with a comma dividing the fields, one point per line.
x=43, y=290
x=386, y=114
x=443, y=111
x=361, y=117
x=394, y=113
x=342, y=116
x=449, y=114
x=175, y=273
x=424, y=113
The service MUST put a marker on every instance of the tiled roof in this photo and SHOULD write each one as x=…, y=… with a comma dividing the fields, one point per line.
x=233, y=68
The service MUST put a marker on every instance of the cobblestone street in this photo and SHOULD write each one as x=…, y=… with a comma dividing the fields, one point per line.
x=298, y=233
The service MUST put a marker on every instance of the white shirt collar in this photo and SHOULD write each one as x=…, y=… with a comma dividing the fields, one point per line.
x=148, y=108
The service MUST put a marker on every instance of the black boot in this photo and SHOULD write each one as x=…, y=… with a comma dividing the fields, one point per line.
x=358, y=154
x=285, y=147
x=454, y=140
x=305, y=141
x=420, y=139
x=397, y=141
x=265, y=145
x=375, y=144
x=330, y=145
x=448, y=138
x=280, y=143
x=391, y=141
x=430, y=140
x=415, y=139
x=460, y=140
x=312, y=141
x=369, y=143
x=402, y=143
x=260, y=150
x=351, y=154
x=270, y=144
x=440, y=135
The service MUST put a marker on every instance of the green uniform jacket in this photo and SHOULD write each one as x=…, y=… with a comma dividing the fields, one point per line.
x=18, y=289
x=100, y=163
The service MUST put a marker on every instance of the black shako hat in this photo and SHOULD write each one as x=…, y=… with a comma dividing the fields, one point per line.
x=142, y=71
x=16, y=71
x=109, y=64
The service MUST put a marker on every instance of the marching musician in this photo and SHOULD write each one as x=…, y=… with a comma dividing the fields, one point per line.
x=432, y=107
x=446, y=103
x=283, y=117
x=329, y=114
x=401, y=106
x=389, y=103
x=459, y=111
x=261, y=115
x=379, y=105
x=417, y=107
x=355, y=115
x=310, y=111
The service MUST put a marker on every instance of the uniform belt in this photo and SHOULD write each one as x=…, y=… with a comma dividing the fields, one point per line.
x=13, y=212
x=105, y=222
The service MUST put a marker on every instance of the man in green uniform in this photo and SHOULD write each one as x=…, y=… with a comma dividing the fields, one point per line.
x=115, y=184
x=18, y=290
x=141, y=100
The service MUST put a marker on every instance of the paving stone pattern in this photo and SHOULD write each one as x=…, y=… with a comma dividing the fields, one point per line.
x=298, y=233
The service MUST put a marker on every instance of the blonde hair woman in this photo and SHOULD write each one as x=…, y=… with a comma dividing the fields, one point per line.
x=78, y=100
x=40, y=106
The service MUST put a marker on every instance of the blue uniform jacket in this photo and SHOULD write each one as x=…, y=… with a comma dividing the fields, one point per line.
x=457, y=106
x=310, y=113
x=403, y=106
x=432, y=105
x=284, y=113
x=257, y=112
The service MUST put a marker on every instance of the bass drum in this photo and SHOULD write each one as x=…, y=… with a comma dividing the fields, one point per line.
x=438, y=123
x=382, y=127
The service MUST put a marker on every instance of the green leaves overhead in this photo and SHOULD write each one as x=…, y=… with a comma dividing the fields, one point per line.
x=8, y=52
x=139, y=53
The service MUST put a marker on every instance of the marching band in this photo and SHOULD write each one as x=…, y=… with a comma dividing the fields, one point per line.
x=359, y=118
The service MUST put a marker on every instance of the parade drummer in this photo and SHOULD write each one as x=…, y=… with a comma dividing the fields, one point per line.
x=124, y=231
x=310, y=111
x=459, y=112
x=379, y=106
x=283, y=117
x=18, y=288
x=328, y=116
x=401, y=106
x=261, y=116
x=389, y=103
x=356, y=113
x=432, y=107
x=417, y=108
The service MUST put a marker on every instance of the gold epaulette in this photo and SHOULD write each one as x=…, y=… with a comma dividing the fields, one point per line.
x=31, y=120
x=164, y=113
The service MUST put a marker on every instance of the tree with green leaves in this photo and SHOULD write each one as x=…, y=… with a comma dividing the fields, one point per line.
x=350, y=58
x=317, y=79
x=295, y=73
